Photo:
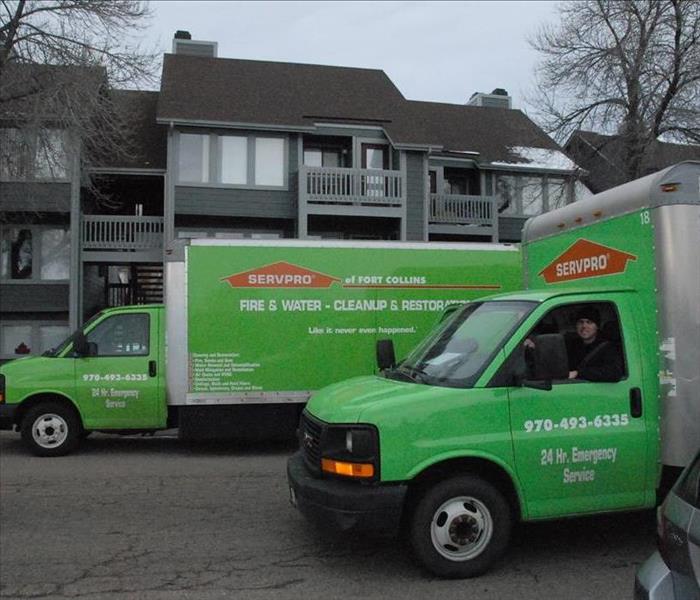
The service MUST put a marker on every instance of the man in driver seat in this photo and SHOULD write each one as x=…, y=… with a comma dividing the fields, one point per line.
x=591, y=357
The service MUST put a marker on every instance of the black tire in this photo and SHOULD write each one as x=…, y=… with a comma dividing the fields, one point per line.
x=460, y=527
x=51, y=429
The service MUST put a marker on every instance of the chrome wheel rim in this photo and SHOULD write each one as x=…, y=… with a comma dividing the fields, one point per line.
x=461, y=528
x=50, y=431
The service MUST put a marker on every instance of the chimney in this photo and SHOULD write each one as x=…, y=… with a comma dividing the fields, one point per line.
x=499, y=98
x=184, y=44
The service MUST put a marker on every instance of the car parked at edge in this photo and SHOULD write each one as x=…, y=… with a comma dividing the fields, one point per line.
x=673, y=571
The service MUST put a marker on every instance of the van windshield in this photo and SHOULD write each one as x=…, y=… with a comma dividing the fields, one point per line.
x=458, y=351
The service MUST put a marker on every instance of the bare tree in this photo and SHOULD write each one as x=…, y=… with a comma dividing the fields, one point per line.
x=624, y=67
x=59, y=62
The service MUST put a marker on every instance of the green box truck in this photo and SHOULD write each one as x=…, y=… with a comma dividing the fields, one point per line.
x=564, y=399
x=248, y=330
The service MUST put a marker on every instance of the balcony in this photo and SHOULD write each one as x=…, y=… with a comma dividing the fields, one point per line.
x=463, y=215
x=133, y=239
x=369, y=192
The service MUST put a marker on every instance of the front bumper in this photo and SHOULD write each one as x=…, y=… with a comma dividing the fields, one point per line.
x=344, y=505
x=7, y=415
x=654, y=580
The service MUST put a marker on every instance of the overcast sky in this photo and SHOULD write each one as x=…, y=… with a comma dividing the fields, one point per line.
x=434, y=51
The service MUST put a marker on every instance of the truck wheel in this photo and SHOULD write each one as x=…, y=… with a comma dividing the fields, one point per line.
x=50, y=429
x=460, y=527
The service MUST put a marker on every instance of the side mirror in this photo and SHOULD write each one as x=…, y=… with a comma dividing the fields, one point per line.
x=82, y=347
x=550, y=360
x=386, y=357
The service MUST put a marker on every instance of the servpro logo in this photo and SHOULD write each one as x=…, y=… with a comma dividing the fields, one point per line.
x=586, y=259
x=280, y=275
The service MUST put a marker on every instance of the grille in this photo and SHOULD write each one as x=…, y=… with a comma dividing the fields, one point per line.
x=310, y=439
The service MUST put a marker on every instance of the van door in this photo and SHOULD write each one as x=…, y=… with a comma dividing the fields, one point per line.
x=121, y=386
x=582, y=446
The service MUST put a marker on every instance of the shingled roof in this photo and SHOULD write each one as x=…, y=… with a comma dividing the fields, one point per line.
x=492, y=132
x=219, y=90
x=212, y=91
x=599, y=155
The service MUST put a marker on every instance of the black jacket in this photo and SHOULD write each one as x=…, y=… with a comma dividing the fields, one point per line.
x=598, y=361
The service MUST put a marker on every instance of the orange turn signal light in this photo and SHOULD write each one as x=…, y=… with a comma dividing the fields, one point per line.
x=348, y=469
x=670, y=187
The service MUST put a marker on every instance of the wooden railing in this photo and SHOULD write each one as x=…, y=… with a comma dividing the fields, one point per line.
x=107, y=232
x=362, y=187
x=462, y=210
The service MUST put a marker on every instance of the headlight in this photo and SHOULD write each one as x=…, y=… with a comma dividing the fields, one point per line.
x=351, y=451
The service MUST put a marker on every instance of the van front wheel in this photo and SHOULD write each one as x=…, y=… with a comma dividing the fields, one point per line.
x=50, y=429
x=460, y=527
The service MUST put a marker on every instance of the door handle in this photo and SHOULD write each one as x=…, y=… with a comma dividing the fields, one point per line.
x=152, y=369
x=636, y=402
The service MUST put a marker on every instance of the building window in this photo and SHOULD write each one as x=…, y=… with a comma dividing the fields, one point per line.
x=19, y=338
x=531, y=195
x=269, y=161
x=557, y=192
x=461, y=182
x=317, y=157
x=50, y=155
x=522, y=195
x=233, y=159
x=193, y=164
x=55, y=254
x=38, y=155
x=34, y=254
x=506, y=190
x=375, y=156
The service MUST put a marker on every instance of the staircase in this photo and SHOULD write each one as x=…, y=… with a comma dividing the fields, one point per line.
x=147, y=283
x=145, y=287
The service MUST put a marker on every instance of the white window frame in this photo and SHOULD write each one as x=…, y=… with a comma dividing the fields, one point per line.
x=36, y=255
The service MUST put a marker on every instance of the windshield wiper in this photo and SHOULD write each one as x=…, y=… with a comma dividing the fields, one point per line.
x=412, y=373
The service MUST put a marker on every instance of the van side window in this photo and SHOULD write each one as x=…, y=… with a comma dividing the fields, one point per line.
x=592, y=340
x=122, y=335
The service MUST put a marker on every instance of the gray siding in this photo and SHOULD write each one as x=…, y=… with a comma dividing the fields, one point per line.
x=510, y=228
x=34, y=197
x=34, y=298
x=235, y=202
x=415, y=196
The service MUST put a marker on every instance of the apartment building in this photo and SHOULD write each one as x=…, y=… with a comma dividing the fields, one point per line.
x=255, y=149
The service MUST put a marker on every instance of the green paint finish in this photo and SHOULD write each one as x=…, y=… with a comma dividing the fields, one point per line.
x=298, y=318
x=574, y=449
x=113, y=390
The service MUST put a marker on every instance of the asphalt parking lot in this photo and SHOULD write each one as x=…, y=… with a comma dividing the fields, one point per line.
x=151, y=517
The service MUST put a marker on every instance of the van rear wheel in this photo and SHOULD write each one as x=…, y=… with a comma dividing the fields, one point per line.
x=50, y=429
x=460, y=527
